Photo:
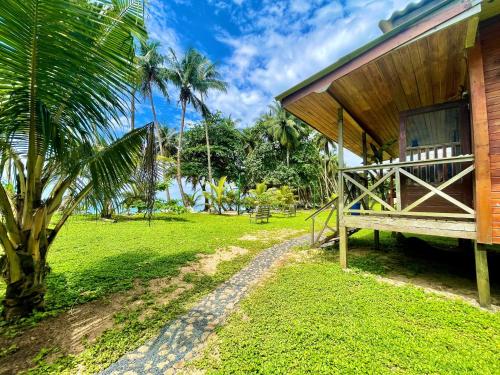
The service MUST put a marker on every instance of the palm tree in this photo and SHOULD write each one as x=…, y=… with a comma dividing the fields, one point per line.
x=151, y=75
x=210, y=79
x=64, y=76
x=169, y=147
x=194, y=76
x=284, y=128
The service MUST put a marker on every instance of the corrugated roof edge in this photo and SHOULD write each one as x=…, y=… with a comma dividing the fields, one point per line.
x=358, y=52
x=398, y=14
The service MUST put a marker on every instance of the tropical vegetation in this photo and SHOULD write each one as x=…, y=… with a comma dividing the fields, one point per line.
x=64, y=69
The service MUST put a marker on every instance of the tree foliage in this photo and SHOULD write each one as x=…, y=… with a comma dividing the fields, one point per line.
x=65, y=70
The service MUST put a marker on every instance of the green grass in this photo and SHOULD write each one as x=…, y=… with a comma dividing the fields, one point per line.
x=92, y=258
x=314, y=318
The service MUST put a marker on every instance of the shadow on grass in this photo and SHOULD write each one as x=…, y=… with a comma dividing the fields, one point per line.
x=432, y=260
x=133, y=218
x=110, y=275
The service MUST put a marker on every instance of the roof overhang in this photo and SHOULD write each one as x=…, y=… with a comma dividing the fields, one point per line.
x=367, y=80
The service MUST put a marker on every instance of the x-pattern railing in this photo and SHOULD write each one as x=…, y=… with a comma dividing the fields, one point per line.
x=394, y=171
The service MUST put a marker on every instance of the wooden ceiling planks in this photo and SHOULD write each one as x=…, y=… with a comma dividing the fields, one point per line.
x=430, y=70
x=320, y=112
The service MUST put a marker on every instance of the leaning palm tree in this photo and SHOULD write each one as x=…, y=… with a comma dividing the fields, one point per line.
x=284, y=128
x=151, y=75
x=194, y=76
x=64, y=78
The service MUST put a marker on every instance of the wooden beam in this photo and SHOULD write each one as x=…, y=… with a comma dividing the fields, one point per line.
x=470, y=37
x=340, y=210
x=431, y=227
x=343, y=246
x=481, y=144
x=482, y=274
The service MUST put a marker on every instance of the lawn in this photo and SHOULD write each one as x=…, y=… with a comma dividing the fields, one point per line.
x=92, y=258
x=312, y=317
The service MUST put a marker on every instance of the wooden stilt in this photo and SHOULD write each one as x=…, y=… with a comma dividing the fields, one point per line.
x=340, y=202
x=482, y=275
x=343, y=246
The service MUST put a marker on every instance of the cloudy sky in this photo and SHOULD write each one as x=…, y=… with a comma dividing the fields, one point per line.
x=262, y=47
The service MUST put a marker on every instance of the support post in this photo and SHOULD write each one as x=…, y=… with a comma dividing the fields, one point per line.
x=340, y=211
x=482, y=275
x=366, y=202
x=481, y=145
x=313, y=240
x=343, y=246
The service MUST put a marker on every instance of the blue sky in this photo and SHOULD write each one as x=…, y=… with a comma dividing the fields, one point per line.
x=262, y=47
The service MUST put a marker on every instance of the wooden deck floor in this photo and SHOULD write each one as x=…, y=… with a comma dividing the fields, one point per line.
x=432, y=227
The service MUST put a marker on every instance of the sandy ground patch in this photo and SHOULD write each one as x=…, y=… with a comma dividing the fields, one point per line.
x=266, y=235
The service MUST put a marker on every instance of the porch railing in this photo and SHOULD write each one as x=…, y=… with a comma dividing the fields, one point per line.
x=417, y=172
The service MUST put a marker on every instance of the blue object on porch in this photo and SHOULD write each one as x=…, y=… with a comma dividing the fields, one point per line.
x=356, y=206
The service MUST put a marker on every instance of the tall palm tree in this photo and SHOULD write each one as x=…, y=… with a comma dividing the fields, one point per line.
x=284, y=128
x=64, y=76
x=210, y=80
x=194, y=76
x=169, y=147
x=152, y=75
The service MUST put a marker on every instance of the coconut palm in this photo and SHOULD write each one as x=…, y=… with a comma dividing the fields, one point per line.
x=284, y=128
x=194, y=76
x=169, y=147
x=210, y=79
x=151, y=75
x=64, y=78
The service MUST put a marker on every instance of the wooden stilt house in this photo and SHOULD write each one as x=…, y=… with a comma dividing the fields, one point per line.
x=427, y=91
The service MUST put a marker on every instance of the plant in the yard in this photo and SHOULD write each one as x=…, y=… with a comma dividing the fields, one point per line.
x=194, y=76
x=217, y=194
x=64, y=78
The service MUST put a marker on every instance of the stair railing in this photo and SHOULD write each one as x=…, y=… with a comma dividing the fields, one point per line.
x=332, y=206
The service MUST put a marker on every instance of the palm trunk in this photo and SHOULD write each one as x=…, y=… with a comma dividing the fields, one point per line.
x=167, y=190
x=157, y=126
x=26, y=269
x=287, y=157
x=209, y=156
x=207, y=202
x=179, y=152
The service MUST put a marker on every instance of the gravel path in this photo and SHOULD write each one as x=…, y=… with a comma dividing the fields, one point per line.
x=180, y=340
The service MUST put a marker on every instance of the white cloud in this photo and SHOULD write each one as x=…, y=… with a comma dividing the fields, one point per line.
x=283, y=43
x=159, y=20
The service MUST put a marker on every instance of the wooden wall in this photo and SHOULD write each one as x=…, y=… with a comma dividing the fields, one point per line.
x=490, y=46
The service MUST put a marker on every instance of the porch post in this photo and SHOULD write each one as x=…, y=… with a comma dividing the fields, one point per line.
x=340, y=212
x=482, y=275
x=376, y=233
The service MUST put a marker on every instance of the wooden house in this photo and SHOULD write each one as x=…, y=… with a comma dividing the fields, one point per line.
x=428, y=92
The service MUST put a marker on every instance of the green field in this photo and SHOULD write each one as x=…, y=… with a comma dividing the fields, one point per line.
x=314, y=318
